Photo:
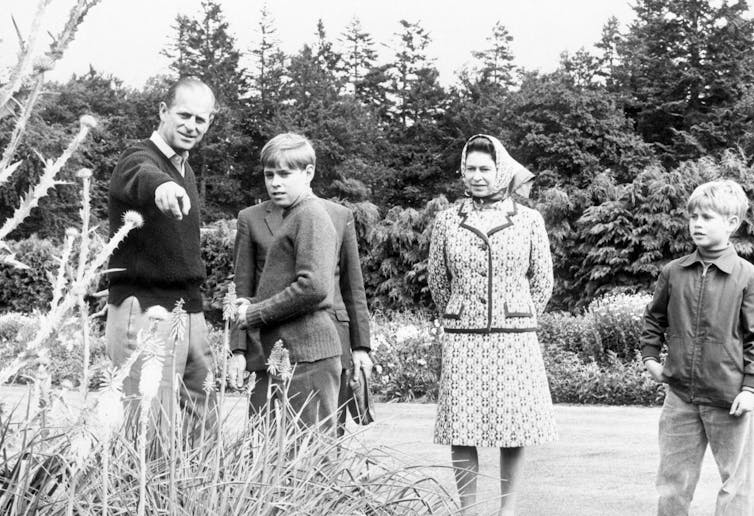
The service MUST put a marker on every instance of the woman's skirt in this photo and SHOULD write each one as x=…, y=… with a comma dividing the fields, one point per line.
x=493, y=392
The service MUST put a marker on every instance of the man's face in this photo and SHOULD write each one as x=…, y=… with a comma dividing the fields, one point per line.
x=711, y=230
x=285, y=184
x=183, y=124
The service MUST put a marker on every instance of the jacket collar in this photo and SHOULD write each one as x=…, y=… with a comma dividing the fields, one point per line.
x=507, y=206
x=273, y=216
x=724, y=262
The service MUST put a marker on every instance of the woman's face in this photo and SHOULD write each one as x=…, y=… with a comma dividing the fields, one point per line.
x=479, y=174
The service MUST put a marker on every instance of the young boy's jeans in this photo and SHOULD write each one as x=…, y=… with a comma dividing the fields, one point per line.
x=685, y=430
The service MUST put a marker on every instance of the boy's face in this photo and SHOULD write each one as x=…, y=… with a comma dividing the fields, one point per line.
x=711, y=230
x=285, y=184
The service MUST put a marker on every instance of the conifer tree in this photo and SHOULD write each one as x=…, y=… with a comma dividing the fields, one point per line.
x=685, y=65
x=496, y=69
x=359, y=55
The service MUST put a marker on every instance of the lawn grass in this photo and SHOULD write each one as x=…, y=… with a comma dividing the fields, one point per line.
x=603, y=464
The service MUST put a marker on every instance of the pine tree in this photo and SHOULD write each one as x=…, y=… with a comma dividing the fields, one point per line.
x=411, y=67
x=205, y=48
x=684, y=66
x=496, y=69
x=269, y=68
x=359, y=55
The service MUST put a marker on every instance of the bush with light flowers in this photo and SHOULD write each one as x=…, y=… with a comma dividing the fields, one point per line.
x=407, y=352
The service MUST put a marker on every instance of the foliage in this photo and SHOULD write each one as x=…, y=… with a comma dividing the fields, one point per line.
x=589, y=358
x=613, y=382
x=610, y=326
x=395, y=274
x=26, y=290
x=570, y=333
x=618, y=322
x=406, y=349
x=683, y=66
x=217, y=253
x=269, y=465
x=63, y=351
x=638, y=227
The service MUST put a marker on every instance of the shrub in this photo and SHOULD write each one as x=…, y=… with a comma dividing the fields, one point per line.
x=217, y=242
x=568, y=332
x=611, y=324
x=24, y=290
x=614, y=382
x=63, y=350
x=407, y=353
x=395, y=273
x=617, y=319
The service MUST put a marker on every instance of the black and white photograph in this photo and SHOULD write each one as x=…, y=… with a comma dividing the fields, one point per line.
x=361, y=258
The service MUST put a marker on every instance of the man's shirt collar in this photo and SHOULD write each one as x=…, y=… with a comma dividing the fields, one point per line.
x=178, y=160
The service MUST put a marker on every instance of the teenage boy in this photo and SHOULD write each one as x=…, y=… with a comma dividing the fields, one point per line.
x=703, y=307
x=257, y=226
x=294, y=293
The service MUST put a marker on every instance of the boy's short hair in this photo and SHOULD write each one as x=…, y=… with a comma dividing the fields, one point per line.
x=290, y=150
x=725, y=197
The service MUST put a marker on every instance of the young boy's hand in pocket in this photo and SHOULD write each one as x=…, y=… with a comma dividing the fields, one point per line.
x=743, y=403
x=655, y=370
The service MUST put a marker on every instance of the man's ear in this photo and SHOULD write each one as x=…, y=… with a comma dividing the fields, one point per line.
x=163, y=109
x=309, y=172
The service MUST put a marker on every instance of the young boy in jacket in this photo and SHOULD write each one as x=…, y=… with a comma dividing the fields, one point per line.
x=294, y=294
x=703, y=307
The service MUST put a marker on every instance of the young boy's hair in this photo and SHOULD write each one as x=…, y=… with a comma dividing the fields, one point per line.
x=290, y=150
x=725, y=197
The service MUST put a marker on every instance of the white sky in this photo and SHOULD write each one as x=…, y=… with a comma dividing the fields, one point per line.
x=124, y=37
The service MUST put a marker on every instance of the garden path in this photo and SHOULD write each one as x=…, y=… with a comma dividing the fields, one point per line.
x=603, y=465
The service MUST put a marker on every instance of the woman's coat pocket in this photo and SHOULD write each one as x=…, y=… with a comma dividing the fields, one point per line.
x=454, y=308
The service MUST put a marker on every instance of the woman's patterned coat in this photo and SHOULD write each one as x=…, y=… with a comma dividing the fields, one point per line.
x=490, y=279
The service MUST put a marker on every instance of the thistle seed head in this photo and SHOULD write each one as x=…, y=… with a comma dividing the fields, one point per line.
x=133, y=218
x=84, y=173
x=88, y=121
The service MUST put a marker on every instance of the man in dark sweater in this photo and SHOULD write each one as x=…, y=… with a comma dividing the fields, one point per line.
x=294, y=293
x=160, y=263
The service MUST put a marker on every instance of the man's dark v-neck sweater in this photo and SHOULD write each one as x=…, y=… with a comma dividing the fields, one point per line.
x=162, y=259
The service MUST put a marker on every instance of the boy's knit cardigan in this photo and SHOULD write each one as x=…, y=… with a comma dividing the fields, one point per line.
x=296, y=285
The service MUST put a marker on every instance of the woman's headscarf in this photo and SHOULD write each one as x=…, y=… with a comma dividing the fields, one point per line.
x=510, y=174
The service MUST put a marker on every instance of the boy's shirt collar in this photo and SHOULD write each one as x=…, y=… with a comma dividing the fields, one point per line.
x=725, y=262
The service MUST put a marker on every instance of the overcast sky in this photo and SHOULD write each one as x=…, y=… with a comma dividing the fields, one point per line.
x=124, y=37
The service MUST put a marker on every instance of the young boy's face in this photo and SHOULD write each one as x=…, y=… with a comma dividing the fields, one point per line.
x=286, y=184
x=711, y=230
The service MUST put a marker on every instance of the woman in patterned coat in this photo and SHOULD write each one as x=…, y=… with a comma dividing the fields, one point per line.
x=490, y=274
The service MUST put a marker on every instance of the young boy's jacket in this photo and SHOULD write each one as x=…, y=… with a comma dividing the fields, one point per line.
x=706, y=315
